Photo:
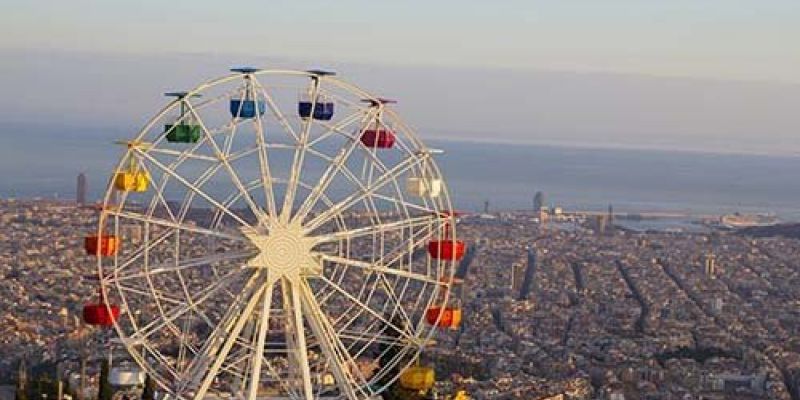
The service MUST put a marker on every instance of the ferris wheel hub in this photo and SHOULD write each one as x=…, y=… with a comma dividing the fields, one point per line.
x=285, y=251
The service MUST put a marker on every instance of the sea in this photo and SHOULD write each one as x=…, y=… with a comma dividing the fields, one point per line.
x=36, y=162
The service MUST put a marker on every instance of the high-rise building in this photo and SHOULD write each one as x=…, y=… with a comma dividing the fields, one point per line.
x=601, y=223
x=711, y=264
x=528, y=282
x=610, y=219
x=610, y=214
x=80, y=193
x=538, y=201
x=486, y=207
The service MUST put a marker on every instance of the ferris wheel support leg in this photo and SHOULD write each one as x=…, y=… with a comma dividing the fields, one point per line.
x=229, y=342
x=314, y=317
x=255, y=376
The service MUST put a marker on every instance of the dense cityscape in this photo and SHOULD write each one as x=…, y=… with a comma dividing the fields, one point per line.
x=556, y=305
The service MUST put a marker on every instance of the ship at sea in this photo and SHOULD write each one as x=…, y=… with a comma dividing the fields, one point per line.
x=738, y=220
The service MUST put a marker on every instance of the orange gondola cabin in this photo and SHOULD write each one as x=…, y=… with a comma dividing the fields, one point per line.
x=444, y=317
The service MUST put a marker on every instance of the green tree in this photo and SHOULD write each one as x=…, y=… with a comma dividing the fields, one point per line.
x=149, y=392
x=104, y=391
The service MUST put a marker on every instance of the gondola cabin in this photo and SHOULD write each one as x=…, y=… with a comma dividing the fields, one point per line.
x=247, y=108
x=447, y=249
x=100, y=314
x=101, y=246
x=322, y=111
x=132, y=181
x=184, y=129
x=444, y=317
x=378, y=138
x=424, y=186
x=182, y=133
x=418, y=378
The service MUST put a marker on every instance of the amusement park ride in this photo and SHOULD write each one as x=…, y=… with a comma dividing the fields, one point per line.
x=291, y=246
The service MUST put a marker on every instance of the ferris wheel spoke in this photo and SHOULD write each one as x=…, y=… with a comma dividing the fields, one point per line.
x=289, y=337
x=339, y=127
x=299, y=157
x=266, y=172
x=231, y=339
x=194, y=188
x=159, y=199
x=176, y=225
x=397, y=201
x=195, y=371
x=367, y=337
x=139, y=253
x=326, y=336
x=398, y=306
x=276, y=111
x=223, y=158
x=184, y=154
x=297, y=332
x=329, y=174
x=263, y=328
x=404, y=203
x=157, y=295
x=364, y=307
x=380, y=229
x=380, y=269
x=184, y=306
x=180, y=265
x=354, y=198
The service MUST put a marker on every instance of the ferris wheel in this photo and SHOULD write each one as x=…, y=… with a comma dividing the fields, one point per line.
x=276, y=234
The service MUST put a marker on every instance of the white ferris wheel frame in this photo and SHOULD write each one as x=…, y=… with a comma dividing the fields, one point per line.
x=301, y=303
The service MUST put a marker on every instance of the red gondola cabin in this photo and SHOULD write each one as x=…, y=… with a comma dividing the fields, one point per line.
x=101, y=246
x=100, y=314
x=447, y=249
x=378, y=138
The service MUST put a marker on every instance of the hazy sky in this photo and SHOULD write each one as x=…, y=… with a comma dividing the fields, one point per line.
x=710, y=75
x=730, y=39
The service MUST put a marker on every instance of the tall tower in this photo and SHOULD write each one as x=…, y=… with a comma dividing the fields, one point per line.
x=486, y=207
x=610, y=214
x=601, y=223
x=80, y=192
x=711, y=264
x=538, y=201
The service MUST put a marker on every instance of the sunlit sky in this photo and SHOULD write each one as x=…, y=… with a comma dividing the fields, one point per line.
x=709, y=75
x=721, y=39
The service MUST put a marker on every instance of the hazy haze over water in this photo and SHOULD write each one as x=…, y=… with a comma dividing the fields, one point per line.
x=61, y=111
